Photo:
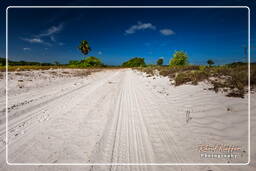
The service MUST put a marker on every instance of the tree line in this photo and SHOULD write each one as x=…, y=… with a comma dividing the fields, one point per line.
x=179, y=58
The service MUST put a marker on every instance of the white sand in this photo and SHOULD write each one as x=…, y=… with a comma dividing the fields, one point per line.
x=120, y=116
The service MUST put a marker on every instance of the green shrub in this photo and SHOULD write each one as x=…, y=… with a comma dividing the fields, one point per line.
x=87, y=62
x=160, y=61
x=134, y=62
x=91, y=62
x=180, y=58
x=74, y=63
x=210, y=62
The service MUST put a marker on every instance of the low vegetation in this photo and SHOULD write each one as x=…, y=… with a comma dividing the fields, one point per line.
x=23, y=63
x=91, y=61
x=134, y=62
x=160, y=61
x=231, y=79
x=87, y=62
x=179, y=58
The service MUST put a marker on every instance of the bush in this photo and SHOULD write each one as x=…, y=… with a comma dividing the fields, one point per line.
x=160, y=61
x=180, y=58
x=87, y=62
x=134, y=62
x=210, y=62
x=91, y=62
x=74, y=63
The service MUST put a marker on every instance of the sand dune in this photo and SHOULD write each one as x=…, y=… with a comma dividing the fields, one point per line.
x=120, y=116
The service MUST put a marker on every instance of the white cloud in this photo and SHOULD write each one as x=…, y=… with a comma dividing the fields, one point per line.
x=140, y=26
x=61, y=44
x=167, y=32
x=52, y=30
x=26, y=49
x=48, y=33
x=99, y=53
x=33, y=40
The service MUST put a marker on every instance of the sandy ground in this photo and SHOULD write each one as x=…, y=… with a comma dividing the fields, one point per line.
x=119, y=116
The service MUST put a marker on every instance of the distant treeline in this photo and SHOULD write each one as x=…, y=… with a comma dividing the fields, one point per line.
x=95, y=62
x=23, y=63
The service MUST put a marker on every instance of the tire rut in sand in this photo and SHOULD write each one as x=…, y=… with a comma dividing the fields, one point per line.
x=126, y=138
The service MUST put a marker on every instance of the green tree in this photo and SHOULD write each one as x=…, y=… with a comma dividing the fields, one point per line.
x=91, y=62
x=210, y=62
x=134, y=62
x=160, y=61
x=84, y=47
x=179, y=58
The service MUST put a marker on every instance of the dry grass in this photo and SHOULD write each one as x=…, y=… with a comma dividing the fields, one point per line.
x=28, y=68
x=232, y=79
x=82, y=73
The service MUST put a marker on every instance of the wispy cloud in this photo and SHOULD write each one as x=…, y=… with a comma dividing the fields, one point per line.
x=39, y=38
x=52, y=30
x=26, y=49
x=140, y=26
x=167, y=32
x=33, y=40
x=99, y=53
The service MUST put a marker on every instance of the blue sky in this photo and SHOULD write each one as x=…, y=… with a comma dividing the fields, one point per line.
x=115, y=35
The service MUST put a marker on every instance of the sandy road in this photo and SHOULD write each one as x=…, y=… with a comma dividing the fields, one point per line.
x=120, y=116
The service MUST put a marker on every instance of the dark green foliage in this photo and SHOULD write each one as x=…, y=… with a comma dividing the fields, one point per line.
x=160, y=61
x=84, y=47
x=22, y=63
x=236, y=64
x=91, y=62
x=87, y=62
x=74, y=62
x=210, y=62
x=2, y=61
x=179, y=58
x=134, y=62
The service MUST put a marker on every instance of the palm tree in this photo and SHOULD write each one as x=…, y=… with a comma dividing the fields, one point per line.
x=84, y=47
